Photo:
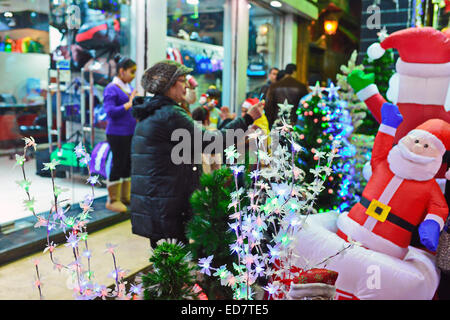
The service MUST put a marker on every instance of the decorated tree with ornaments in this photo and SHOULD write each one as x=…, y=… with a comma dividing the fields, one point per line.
x=322, y=119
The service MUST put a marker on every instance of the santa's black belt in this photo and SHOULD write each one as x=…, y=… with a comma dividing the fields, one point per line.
x=381, y=212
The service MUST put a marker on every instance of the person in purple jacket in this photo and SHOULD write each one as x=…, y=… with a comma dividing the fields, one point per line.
x=117, y=102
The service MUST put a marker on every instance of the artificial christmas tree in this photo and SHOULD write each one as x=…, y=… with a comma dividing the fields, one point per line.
x=322, y=119
x=208, y=228
x=172, y=277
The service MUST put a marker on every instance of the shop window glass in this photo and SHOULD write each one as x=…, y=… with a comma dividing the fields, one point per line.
x=36, y=37
x=263, y=44
x=24, y=48
x=195, y=38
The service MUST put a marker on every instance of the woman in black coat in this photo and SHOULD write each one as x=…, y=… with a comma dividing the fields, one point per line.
x=160, y=185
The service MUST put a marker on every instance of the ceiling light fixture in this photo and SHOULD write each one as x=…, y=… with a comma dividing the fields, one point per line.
x=276, y=4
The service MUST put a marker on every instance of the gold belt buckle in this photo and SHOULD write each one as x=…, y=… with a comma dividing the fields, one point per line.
x=378, y=210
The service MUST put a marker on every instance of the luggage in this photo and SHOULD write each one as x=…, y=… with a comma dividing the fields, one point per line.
x=101, y=160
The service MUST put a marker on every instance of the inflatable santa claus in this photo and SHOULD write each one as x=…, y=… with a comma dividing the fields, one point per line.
x=401, y=195
x=421, y=85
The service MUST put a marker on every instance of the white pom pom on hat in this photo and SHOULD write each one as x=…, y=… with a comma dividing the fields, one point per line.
x=424, y=45
x=447, y=174
x=375, y=51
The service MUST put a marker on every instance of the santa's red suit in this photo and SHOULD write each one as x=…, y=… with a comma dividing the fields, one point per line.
x=421, y=86
x=392, y=206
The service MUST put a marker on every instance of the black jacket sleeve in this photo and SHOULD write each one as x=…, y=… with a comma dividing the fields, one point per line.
x=184, y=122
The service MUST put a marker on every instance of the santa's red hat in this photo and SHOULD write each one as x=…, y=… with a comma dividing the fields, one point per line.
x=203, y=98
x=423, y=51
x=250, y=102
x=436, y=130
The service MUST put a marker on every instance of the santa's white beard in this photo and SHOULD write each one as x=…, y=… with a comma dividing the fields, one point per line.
x=401, y=163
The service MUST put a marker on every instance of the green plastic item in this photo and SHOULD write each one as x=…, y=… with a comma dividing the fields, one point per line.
x=67, y=156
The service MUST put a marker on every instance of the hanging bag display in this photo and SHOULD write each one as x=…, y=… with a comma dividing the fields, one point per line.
x=443, y=250
x=99, y=35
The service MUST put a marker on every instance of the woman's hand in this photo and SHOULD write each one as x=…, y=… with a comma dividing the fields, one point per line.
x=129, y=104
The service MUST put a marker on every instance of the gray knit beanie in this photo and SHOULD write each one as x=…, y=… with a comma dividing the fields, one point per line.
x=163, y=75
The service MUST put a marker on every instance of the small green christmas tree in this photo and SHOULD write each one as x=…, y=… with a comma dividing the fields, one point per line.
x=209, y=230
x=172, y=277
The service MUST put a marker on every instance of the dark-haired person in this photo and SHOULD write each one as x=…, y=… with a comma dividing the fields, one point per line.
x=271, y=79
x=117, y=101
x=201, y=114
x=162, y=180
x=286, y=88
x=213, y=99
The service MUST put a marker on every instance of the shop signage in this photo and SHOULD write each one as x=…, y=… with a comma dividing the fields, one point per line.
x=64, y=71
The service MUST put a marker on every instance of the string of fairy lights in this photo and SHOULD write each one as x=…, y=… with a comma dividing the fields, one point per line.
x=332, y=121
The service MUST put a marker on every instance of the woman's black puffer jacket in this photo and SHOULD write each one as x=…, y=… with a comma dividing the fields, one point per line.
x=160, y=189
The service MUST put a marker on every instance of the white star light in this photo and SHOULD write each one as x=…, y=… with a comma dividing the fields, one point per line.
x=317, y=89
x=332, y=91
x=382, y=34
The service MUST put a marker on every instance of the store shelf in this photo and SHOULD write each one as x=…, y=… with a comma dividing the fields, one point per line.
x=37, y=35
x=180, y=43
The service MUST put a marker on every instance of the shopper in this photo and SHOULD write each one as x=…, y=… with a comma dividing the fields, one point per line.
x=201, y=114
x=271, y=79
x=262, y=123
x=161, y=188
x=286, y=88
x=213, y=103
x=117, y=102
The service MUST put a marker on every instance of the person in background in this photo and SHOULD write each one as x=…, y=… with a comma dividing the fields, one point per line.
x=210, y=162
x=117, y=101
x=213, y=98
x=281, y=74
x=288, y=88
x=261, y=123
x=201, y=114
x=161, y=184
x=271, y=78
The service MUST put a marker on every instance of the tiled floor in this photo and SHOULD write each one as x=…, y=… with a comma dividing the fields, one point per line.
x=12, y=196
x=132, y=254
